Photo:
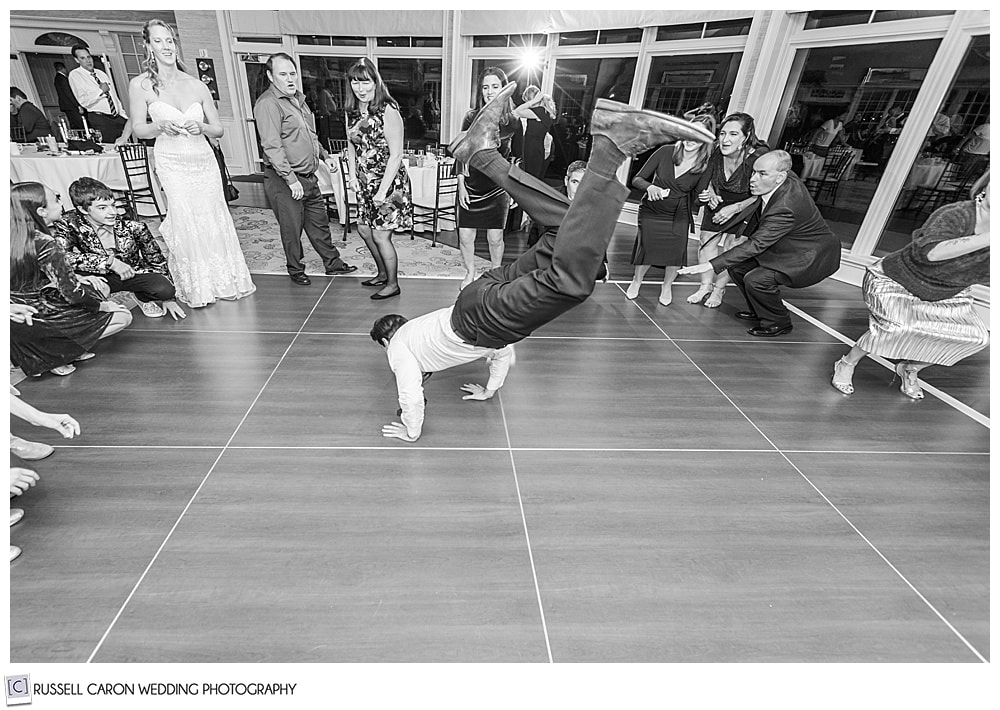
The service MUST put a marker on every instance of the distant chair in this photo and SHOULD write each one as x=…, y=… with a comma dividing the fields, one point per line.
x=138, y=177
x=347, y=192
x=838, y=160
x=953, y=186
x=17, y=134
x=428, y=215
x=336, y=145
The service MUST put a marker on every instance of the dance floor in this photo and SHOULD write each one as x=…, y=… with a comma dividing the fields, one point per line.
x=652, y=484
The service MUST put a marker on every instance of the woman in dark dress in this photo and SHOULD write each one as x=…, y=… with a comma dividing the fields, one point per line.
x=725, y=190
x=70, y=315
x=538, y=113
x=481, y=202
x=920, y=298
x=670, y=179
x=378, y=175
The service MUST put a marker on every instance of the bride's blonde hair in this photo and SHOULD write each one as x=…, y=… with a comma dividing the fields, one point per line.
x=152, y=70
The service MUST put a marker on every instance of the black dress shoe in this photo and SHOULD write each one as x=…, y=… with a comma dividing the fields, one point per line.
x=379, y=296
x=342, y=269
x=300, y=279
x=770, y=331
x=746, y=315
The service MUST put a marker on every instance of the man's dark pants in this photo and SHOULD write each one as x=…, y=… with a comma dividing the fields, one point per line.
x=111, y=127
x=146, y=287
x=294, y=215
x=761, y=288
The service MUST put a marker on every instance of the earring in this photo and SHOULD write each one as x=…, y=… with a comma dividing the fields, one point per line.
x=980, y=197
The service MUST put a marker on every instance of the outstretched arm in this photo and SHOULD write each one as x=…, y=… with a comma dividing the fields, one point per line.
x=62, y=423
x=410, y=389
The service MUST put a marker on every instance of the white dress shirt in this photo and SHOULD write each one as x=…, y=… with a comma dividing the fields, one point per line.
x=428, y=344
x=88, y=92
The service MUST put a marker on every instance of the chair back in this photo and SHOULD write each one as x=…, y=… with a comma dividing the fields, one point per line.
x=17, y=134
x=447, y=183
x=336, y=145
x=135, y=161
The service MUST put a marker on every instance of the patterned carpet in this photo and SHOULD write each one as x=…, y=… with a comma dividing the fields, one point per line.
x=258, y=232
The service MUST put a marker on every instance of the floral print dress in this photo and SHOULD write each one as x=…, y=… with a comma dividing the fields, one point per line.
x=367, y=133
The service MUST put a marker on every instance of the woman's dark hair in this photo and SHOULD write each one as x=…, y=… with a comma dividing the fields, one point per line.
x=364, y=70
x=704, y=150
x=152, y=70
x=25, y=200
x=386, y=327
x=749, y=129
x=500, y=74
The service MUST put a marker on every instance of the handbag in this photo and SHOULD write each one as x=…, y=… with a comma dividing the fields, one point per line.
x=228, y=189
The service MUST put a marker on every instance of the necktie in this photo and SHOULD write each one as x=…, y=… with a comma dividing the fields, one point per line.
x=107, y=94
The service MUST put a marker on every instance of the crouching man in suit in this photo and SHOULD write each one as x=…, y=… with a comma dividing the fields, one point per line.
x=789, y=244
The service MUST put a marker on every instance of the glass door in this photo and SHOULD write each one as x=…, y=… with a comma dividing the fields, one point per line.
x=255, y=73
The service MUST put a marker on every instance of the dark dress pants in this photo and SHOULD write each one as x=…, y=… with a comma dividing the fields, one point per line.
x=73, y=117
x=760, y=287
x=505, y=305
x=294, y=215
x=111, y=127
x=146, y=287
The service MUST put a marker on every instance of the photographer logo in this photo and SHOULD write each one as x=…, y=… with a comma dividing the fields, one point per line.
x=18, y=689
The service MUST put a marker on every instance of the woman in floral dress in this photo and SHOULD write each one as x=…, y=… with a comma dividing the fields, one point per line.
x=378, y=175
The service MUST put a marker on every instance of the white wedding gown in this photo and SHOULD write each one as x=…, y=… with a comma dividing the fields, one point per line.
x=205, y=259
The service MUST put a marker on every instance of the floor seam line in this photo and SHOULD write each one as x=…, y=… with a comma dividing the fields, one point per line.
x=204, y=480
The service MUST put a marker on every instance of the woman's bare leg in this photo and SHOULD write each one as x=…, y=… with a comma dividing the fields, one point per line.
x=467, y=246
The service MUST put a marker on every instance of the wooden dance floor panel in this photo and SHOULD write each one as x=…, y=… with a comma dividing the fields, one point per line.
x=651, y=484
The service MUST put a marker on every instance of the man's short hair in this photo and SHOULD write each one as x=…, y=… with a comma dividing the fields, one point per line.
x=575, y=167
x=782, y=160
x=77, y=47
x=86, y=190
x=59, y=65
x=386, y=327
x=16, y=93
x=270, y=60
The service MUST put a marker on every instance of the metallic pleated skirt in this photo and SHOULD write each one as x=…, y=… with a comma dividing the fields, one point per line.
x=901, y=326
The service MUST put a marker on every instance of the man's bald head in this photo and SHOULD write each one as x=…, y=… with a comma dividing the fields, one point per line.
x=770, y=171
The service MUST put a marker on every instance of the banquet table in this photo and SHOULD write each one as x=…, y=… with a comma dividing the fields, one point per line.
x=59, y=171
x=813, y=165
x=423, y=183
x=925, y=175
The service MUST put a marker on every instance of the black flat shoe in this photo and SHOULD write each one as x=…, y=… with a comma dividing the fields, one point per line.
x=375, y=281
x=770, y=331
x=300, y=279
x=746, y=315
x=381, y=296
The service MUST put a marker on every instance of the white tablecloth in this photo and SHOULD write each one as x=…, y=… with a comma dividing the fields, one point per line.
x=423, y=183
x=813, y=165
x=59, y=172
x=924, y=175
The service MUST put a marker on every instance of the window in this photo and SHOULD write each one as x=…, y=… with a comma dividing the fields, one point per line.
x=330, y=41
x=409, y=41
x=260, y=40
x=858, y=97
x=537, y=40
x=58, y=39
x=614, y=36
x=953, y=154
x=416, y=86
x=699, y=30
x=840, y=18
x=133, y=51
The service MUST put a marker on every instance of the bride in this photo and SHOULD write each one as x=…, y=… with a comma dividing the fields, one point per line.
x=206, y=262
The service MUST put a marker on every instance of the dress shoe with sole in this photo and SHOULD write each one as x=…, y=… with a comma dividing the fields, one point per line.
x=484, y=133
x=380, y=296
x=770, y=331
x=29, y=450
x=746, y=315
x=300, y=279
x=342, y=269
x=15, y=516
x=635, y=131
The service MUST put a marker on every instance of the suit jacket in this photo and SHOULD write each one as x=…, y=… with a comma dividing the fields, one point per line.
x=67, y=101
x=790, y=237
x=134, y=244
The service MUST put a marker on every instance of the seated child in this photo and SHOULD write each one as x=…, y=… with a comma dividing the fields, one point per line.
x=121, y=251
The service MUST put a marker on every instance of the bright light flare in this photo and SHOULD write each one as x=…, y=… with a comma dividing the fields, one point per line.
x=531, y=59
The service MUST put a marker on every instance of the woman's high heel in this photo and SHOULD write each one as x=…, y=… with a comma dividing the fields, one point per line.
x=909, y=384
x=699, y=295
x=63, y=370
x=845, y=387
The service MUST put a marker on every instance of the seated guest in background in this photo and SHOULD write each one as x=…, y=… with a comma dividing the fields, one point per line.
x=121, y=251
x=920, y=297
x=791, y=245
x=830, y=133
x=571, y=181
x=67, y=101
x=29, y=116
x=95, y=92
x=70, y=315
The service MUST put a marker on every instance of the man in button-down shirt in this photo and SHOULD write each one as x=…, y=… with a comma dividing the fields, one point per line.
x=291, y=152
x=95, y=92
